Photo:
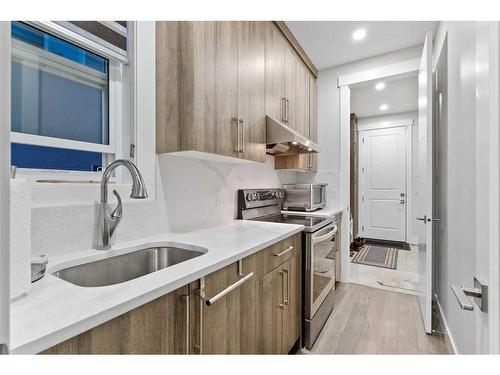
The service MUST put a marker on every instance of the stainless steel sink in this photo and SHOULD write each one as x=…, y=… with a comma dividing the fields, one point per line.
x=121, y=268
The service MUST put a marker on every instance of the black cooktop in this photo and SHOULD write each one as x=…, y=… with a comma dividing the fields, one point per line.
x=310, y=223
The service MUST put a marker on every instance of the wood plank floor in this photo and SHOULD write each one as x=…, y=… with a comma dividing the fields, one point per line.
x=367, y=320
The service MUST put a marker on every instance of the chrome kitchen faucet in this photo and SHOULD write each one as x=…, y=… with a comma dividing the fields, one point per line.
x=108, y=221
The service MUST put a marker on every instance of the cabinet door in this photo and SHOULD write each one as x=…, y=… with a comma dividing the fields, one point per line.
x=313, y=119
x=251, y=89
x=158, y=327
x=293, y=307
x=269, y=312
x=275, y=71
x=226, y=88
x=228, y=325
x=290, y=86
x=301, y=95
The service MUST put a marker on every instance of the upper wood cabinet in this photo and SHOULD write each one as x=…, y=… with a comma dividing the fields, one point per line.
x=216, y=81
x=211, y=88
x=276, y=45
x=305, y=162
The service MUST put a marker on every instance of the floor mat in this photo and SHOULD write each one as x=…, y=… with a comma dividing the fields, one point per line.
x=377, y=256
x=393, y=244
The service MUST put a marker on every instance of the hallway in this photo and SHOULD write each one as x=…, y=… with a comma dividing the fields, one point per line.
x=374, y=321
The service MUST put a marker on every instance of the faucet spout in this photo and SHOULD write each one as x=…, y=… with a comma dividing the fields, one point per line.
x=108, y=221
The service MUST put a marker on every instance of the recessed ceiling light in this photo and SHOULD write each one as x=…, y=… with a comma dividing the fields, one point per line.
x=294, y=143
x=309, y=149
x=359, y=34
x=383, y=107
x=380, y=86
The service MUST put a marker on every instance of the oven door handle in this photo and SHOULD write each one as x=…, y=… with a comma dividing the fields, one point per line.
x=327, y=236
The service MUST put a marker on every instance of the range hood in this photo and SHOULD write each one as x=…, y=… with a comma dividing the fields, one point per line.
x=283, y=140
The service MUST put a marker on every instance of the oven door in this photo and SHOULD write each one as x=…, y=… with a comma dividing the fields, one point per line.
x=319, y=272
x=318, y=195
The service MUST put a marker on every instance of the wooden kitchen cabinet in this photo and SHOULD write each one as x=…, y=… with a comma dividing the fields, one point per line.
x=211, y=88
x=228, y=324
x=247, y=320
x=217, y=81
x=276, y=45
x=158, y=327
x=251, y=89
x=279, y=306
x=305, y=162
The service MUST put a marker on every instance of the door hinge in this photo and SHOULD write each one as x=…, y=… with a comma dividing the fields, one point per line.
x=362, y=199
x=132, y=150
x=363, y=228
x=363, y=169
x=363, y=140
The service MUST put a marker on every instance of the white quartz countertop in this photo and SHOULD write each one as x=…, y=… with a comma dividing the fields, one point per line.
x=324, y=212
x=55, y=310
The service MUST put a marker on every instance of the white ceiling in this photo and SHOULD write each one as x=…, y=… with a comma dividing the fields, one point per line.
x=330, y=43
x=400, y=96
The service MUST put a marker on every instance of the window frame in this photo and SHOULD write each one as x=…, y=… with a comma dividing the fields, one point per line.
x=110, y=151
x=135, y=98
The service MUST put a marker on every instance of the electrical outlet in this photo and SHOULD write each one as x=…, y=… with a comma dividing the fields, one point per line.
x=218, y=198
x=333, y=194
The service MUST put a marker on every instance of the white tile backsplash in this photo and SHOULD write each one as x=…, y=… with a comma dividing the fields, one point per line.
x=191, y=194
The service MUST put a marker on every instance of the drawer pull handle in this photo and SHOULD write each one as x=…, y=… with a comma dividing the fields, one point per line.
x=230, y=288
x=290, y=248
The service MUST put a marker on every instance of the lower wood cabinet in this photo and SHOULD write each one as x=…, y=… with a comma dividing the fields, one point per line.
x=278, y=298
x=158, y=327
x=248, y=307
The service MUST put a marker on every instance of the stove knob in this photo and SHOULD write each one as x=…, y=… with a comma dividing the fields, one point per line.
x=249, y=197
x=255, y=197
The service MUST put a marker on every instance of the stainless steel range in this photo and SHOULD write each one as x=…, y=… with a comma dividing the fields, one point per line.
x=318, y=247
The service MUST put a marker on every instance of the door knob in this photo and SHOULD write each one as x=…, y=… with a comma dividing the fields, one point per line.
x=424, y=219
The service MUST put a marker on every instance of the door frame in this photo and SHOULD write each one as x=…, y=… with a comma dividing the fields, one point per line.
x=4, y=181
x=407, y=124
x=409, y=67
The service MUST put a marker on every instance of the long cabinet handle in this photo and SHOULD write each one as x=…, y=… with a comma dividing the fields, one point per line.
x=242, y=122
x=290, y=248
x=283, y=109
x=286, y=300
x=229, y=289
x=282, y=305
x=287, y=110
x=237, y=148
x=186, y=299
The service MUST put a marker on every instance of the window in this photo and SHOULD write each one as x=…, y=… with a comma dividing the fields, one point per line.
x=59, y=103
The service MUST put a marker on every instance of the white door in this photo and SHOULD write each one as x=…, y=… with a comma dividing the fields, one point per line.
x=424, y=183
x=4, y=182
x=382, y=164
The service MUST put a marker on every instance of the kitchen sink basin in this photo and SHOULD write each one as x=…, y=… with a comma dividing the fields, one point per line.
x=125, y=267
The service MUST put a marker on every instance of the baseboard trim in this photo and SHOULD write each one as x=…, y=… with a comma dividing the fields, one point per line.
x=448, y=337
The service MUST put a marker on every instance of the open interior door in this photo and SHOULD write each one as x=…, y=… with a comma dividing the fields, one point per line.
x=424, y=183
x=4, y=182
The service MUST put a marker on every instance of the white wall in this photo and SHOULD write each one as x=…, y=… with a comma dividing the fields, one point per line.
x=328, y=117
x=186, y=200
